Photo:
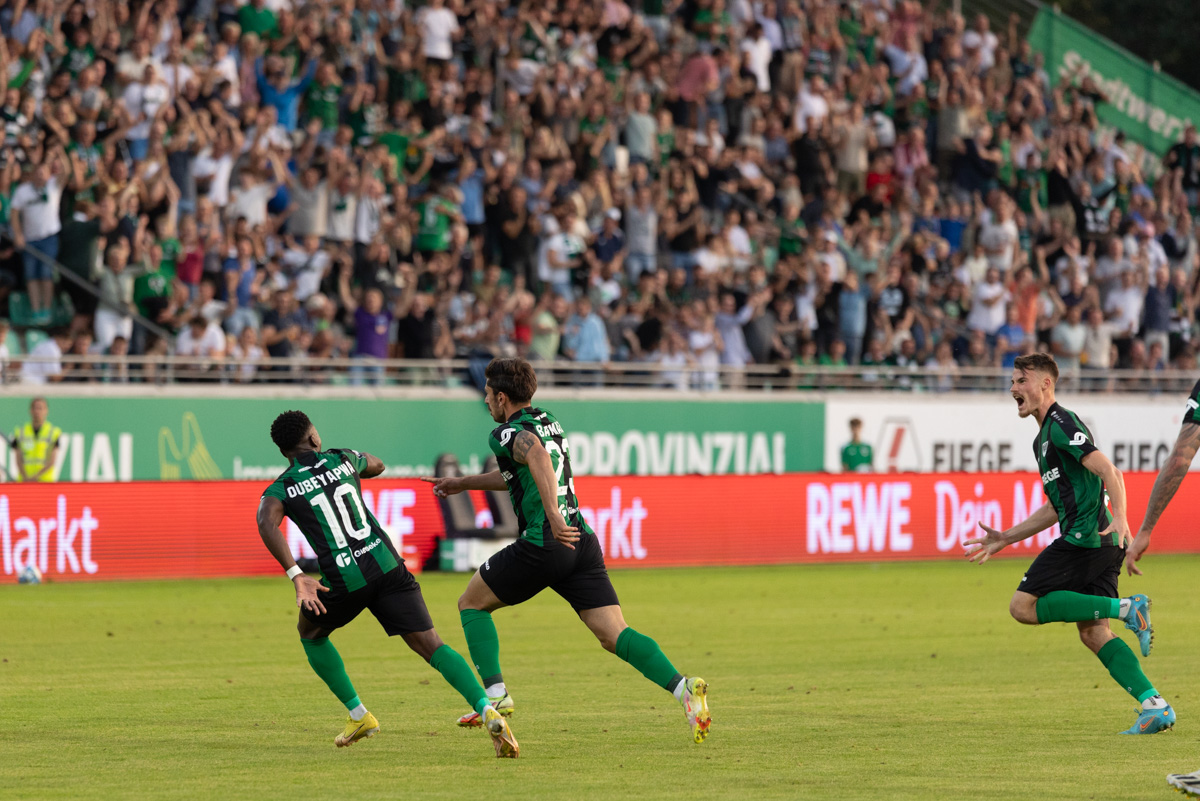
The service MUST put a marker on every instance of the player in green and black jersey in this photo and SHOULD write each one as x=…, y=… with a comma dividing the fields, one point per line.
x=360, y=569
x=1168, y=481
x=1075, y=578
x=556, y=548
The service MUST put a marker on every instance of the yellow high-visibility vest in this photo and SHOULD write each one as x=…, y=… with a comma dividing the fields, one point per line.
x=35, y=448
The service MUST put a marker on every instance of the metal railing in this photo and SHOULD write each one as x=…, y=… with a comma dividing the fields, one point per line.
x=616, y=376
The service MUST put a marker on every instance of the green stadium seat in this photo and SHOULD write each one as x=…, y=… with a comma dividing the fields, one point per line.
x=20, y=313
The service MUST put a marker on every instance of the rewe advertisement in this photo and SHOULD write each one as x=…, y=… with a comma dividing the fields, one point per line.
x=167, y=530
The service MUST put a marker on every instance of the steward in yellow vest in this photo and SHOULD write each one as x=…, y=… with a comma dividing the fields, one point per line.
x=36, y=444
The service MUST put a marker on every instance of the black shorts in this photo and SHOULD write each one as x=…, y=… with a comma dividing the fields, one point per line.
x=1063, y=566
x=395, y=600
x=522, y=570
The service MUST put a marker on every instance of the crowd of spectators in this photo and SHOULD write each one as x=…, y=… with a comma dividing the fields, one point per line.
x=698, y=183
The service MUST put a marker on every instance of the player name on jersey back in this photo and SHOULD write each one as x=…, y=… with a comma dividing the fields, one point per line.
x=320, y=480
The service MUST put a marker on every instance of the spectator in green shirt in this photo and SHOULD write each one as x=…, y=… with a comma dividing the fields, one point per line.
x=321, y=101
x=256, y=18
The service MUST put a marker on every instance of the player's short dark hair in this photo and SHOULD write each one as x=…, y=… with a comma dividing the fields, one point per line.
x=289, y=430
x=855, y=422
x=514, y=377
x=1038, y=362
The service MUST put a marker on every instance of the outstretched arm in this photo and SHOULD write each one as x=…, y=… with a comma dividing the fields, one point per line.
x=1165, y=487
x=270, y=515
x=981, y=549
x=528, y=450
x=452, y=485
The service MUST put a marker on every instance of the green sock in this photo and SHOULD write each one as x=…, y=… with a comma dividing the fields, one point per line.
x=1125, y=669
x=1075, y=607
x=327, y=663
x=457, y=673
x=483, y=643
x=645, y=655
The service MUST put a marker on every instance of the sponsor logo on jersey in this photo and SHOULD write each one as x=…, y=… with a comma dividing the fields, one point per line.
x=314, y=467
x=1079, y=439
x=1050, y=476
x=367, y=549
x=343, y=559
x=1192, y=406
x=505, y=436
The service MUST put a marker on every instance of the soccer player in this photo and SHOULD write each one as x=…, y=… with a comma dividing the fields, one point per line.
x=360, y=569
x=1075, y=578
x=857, y=456
x=1165, y=487
x=1169, y=479
x=556, y=549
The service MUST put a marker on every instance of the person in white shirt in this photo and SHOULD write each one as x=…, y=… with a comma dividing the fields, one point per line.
x=254, y=191
x=981, y=41
x=307, y=264
x=1123, y=306
x=811, y=106
x=48, y=353
x=213, y=167
x=142, y=100
x=247, y=348
x=439, y=29
x=988, y=304
x=35, y=227
x=908, y=65
x=999, y=235
x=758, y=52
x=203, y=340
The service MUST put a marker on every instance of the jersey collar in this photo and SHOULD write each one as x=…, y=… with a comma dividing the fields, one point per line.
x=520, y=413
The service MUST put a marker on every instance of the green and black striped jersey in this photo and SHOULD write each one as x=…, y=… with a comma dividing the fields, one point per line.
x=321, y=494
x=1192, y=413
x=523, y=492
x=1077, y=493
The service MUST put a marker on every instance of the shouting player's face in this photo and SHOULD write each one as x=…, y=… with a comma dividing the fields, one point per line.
x=493, y=405
x=1028, y=391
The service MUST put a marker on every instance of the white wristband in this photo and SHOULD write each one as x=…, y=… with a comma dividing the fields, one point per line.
x=294, y=571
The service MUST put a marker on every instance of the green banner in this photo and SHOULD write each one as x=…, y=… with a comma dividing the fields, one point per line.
x=1150, y=107
x=125, y=439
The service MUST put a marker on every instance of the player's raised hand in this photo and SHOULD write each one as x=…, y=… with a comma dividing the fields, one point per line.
x=1134, y=552
x=562, y=532
x=980, y=549
x=445, y=486
x=307, y=588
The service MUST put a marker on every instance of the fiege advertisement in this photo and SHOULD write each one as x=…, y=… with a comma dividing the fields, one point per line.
x=984, y=434
x=161, y=530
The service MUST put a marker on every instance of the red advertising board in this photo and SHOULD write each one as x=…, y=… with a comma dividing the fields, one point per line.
x=206, y=529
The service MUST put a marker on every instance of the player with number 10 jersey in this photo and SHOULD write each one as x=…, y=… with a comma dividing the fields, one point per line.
x=360, y=569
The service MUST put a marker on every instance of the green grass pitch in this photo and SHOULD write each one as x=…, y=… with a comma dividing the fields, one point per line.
x=899, y=681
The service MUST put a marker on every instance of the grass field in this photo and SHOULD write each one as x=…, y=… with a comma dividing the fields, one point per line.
x=832, y=682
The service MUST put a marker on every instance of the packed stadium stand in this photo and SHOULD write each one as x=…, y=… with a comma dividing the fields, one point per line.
x=688, y=195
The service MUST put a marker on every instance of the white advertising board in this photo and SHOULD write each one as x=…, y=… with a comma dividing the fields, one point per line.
x=964, y=433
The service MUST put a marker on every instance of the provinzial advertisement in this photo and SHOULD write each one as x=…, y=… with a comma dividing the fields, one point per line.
x=984, y=434
x=80, y=532
x=171, y=439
